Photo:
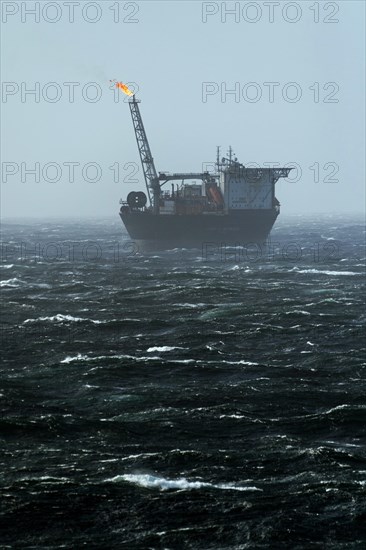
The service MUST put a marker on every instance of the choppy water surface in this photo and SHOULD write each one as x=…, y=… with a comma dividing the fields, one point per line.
x=206, y=398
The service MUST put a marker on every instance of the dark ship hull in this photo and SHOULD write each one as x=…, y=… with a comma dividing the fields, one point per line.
x=235, y=228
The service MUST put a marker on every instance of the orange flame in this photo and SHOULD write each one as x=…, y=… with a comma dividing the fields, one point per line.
x=123, y=87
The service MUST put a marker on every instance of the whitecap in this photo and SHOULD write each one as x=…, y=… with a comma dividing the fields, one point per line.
x=298, y=311
x=182, y=361
x=59, y=318
x=153, y=482
x=241, y=362
x=163, y=348
x=187, y=304
x=325, y=272
x=237, y=416
x=78, y=357
x=236, y=267
x=12, y=283
x=16, y=283
x=344, y=406
x=140, y=455
x=47, y=479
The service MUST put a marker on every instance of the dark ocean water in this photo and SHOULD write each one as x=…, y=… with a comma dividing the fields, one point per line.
x=210, y=398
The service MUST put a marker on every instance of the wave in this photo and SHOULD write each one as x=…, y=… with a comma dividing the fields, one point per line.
x=163, y=348
x=47, y=479
x=324, y=272
x=80, y=357
x=345, y=406
x=153, y=482
x=243, y=268
x=357, y=409
x=60, y=318
x=237, y=416
x=17, y=283
x=13, y=283
x=241, y=362
x=182, y=361
x=189, y=305
x=7, y=266
x=326, y=301
x=298, y=312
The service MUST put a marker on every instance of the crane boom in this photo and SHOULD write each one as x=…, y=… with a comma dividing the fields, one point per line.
x=147, y=161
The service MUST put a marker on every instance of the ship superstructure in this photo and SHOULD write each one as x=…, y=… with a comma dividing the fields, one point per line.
x=232, y=204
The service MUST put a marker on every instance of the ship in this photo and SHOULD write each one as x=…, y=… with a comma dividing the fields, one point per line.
x=230, y=205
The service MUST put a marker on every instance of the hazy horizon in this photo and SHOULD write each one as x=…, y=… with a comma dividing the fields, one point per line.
x=116, y=218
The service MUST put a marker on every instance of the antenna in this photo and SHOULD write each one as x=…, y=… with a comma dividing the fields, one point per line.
x=230, y=153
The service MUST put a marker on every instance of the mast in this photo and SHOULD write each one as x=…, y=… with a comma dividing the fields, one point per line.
x=230, y=154
x=147, y=161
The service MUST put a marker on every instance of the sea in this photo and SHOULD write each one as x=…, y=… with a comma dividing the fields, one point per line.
x=204, y=398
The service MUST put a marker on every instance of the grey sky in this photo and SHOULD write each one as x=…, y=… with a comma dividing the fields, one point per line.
x=170, y=53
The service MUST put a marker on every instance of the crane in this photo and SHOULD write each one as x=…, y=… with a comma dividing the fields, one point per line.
x=147, y=161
